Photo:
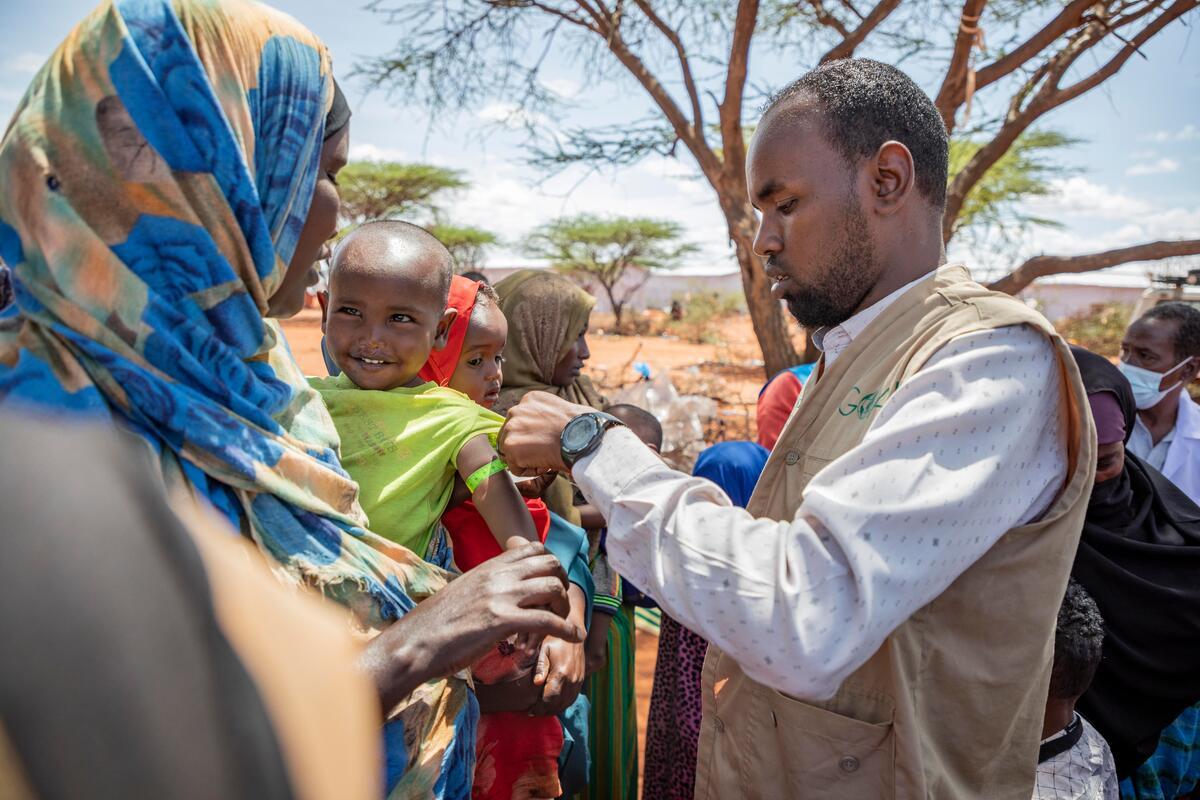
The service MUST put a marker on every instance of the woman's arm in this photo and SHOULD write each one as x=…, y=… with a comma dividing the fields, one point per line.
x=496, y=496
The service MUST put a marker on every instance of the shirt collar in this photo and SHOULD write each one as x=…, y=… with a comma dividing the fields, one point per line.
x=833, y=340
x=1187, y=418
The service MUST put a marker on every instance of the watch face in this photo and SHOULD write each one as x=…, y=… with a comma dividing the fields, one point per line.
x=578, y=433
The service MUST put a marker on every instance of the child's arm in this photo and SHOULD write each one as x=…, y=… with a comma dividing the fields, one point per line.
x=496, y=496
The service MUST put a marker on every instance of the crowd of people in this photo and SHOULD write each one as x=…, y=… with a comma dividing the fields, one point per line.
x=958, y=562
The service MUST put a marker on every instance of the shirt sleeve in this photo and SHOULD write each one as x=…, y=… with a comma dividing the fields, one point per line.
x=470, y=421
x=966, y=449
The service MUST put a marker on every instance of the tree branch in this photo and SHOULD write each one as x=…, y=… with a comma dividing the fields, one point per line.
x=953, y=89
x=1043, y=94
x=1177, y=10
x=854, y=38
x=1041, y=266
x=733, y=142
x=684, y=66
x=827, y=19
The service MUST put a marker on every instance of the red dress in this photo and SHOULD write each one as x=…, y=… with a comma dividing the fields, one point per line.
x=516, y=755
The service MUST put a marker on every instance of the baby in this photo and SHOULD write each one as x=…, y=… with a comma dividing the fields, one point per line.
x=519, y=740
x=403, y=439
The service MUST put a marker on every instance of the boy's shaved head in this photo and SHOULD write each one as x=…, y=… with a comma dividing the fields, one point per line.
x=393, y=247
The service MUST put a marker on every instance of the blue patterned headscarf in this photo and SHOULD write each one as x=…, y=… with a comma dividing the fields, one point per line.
x=153, y=185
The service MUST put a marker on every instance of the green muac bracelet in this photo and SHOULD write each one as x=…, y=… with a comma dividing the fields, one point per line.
x=483, y=473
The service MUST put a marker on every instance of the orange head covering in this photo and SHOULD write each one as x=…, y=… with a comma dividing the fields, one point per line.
x=440, y=366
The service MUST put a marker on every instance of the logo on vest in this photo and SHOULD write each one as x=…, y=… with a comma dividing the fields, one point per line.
x=861, y=405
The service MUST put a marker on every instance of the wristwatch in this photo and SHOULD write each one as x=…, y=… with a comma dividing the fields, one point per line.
x=582, y=435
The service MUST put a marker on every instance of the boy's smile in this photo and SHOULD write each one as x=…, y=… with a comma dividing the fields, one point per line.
x=382, y=325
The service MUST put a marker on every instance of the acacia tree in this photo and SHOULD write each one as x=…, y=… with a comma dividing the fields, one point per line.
x=391, y=189
x=608, y=250
x=691, y=59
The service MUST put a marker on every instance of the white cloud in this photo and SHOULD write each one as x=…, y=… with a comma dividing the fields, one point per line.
x=25, y=63
x=1078, y=196
x=1096, y=218
x=1185, y=134
x=1142, y=155
x=512, y=116
x=565, y=88
x=365, y=151
x=1160, y=167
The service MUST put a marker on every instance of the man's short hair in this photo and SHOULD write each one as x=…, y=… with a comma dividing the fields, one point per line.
x=1078, y=643
x=644, y=424
x=865, y=103
x=1187, y=338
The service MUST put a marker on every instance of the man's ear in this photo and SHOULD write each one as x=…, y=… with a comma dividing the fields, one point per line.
x=893, y=177
x=1191, y=371
x=443, y=328
x=323, y=302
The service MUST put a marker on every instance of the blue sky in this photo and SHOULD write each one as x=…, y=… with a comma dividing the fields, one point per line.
x=1136, y=176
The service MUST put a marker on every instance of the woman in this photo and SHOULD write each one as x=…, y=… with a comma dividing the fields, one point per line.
x=1138, y=557
x=547, y=347
x=168, y=184
x=673, y=729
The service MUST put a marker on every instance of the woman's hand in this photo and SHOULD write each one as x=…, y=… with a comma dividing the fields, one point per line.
x=521, y=591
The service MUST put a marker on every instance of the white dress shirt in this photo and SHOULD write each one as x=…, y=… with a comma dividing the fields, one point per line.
x=1177, y=454
x=966, y=449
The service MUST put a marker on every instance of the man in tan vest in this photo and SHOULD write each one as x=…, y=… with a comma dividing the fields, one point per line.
x=882, y=614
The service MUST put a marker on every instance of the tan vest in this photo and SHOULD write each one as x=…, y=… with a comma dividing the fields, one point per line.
x=951, y=704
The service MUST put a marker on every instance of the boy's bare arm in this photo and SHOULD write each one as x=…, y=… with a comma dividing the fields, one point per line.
x=496, y=496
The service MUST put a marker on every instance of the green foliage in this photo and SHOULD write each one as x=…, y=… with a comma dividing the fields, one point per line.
x=1025, y=171
x=702, y=313
x=383, y=189
x=1099, y=329
x=604, y=249
x=465, y=243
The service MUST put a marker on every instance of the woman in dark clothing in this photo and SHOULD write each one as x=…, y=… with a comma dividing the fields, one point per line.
x=1138, y=558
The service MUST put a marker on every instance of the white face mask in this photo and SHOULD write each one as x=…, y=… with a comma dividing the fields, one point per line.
x=1145, y=383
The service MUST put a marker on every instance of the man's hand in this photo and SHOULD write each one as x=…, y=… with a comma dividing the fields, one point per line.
x=529, y=440
x=522, y=591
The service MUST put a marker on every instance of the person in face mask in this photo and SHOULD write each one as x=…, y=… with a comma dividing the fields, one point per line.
x=1160, y=356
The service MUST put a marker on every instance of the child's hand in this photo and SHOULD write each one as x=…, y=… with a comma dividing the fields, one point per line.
x=560, y=672
x=595, y=646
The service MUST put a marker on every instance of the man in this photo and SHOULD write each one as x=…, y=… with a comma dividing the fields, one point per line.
x=1160, y=355
x=882, y=615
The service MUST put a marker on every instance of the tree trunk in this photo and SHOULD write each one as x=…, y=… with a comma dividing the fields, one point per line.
x=765, y=315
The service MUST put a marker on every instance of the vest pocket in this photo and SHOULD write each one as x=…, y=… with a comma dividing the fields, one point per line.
x=823, y=754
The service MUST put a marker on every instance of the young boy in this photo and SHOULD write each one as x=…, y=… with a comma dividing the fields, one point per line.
x=1074, y=762
x=404, y=439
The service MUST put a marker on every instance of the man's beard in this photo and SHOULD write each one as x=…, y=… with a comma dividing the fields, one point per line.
x=847, y=276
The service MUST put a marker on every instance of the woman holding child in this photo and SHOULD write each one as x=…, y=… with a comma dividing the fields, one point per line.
x=168, y=185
